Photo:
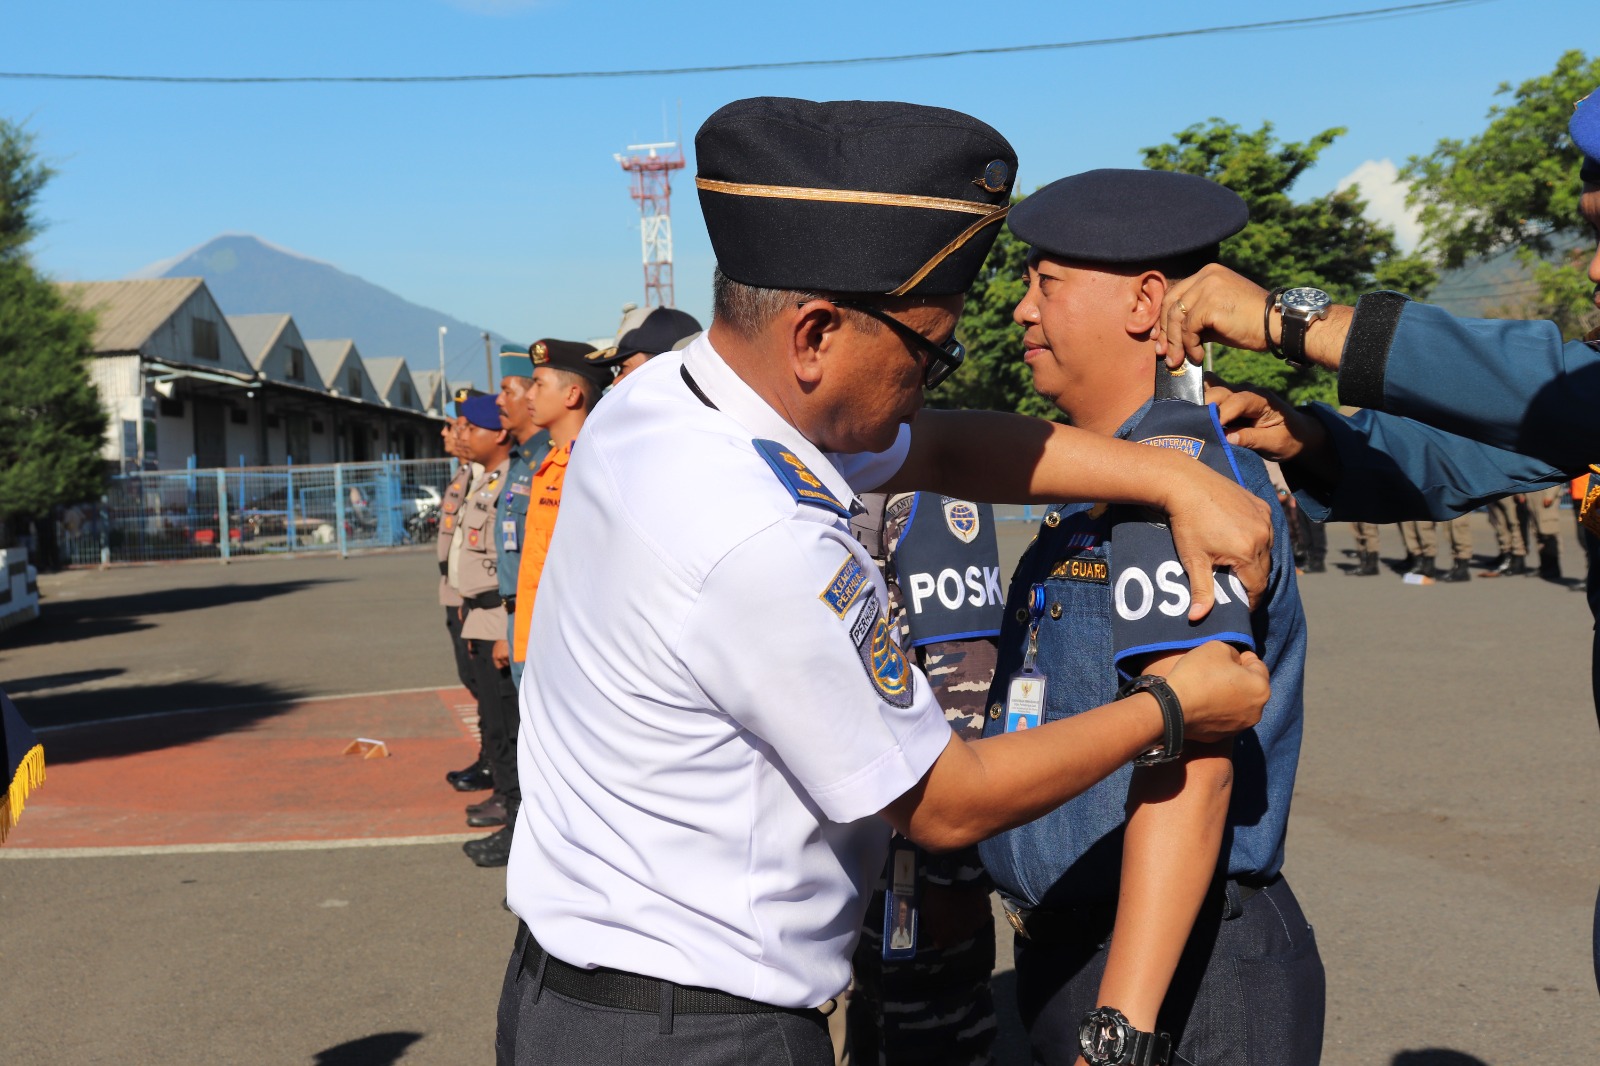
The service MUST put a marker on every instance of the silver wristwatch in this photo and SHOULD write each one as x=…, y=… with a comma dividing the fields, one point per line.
x=1300, y=307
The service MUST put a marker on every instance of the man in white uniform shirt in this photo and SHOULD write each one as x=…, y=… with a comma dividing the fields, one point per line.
x=720, y=729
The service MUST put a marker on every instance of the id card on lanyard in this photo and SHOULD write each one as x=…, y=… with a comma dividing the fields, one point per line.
x=1026, y=690
x=900, y=902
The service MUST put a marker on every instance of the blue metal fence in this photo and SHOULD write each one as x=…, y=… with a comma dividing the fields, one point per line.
x=220, y=513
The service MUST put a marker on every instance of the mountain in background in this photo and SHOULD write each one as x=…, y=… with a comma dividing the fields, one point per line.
x=247, y=275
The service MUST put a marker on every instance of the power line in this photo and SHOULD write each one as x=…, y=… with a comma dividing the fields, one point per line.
x=793, y=64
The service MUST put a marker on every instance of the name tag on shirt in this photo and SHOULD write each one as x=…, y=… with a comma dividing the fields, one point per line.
x=1025, y=702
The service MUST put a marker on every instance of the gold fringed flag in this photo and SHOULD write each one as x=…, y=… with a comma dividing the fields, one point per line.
x=22, y=758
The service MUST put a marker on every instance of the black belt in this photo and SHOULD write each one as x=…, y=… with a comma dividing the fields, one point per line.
x=509, y=603
x=1093, y=921
x=483, y=601
x=444, y=567
x=604, y=987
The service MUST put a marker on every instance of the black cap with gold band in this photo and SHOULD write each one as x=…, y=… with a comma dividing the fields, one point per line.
x=852, y=196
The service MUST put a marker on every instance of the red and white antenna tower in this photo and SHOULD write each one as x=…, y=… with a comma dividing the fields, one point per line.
x=651, y=166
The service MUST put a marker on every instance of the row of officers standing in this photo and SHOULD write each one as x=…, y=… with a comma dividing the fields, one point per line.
x=1527, y=537
x=495, y=524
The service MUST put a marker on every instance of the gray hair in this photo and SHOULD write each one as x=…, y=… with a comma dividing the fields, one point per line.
x=747, y=309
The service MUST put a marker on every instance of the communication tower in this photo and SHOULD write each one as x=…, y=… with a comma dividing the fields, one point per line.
x=651, y=166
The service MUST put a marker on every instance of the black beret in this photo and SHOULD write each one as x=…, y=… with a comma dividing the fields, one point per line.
x=651, y=330
x=1128, y=216
x=851, y=196
x=567, y=355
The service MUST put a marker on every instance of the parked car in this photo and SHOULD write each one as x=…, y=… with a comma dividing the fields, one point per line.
x=417, y=499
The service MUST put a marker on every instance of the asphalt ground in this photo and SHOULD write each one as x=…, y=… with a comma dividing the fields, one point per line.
x=1441, y=840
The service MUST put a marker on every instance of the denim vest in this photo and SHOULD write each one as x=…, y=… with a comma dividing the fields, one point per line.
x=1073, y=855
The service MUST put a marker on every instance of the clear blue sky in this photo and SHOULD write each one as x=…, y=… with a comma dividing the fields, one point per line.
x=501, y=203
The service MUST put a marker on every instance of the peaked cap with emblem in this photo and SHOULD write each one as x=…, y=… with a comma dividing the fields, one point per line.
x=651, y=330
x=852, y=196
x=1128, y=217
x=1585, y=130
x=568, y=355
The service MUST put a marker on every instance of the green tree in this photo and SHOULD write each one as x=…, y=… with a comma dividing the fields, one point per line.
x=1515, y=185
x=1327, y=241
x=51, y=423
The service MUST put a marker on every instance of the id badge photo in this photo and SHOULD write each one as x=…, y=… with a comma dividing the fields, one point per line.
x=900, y=902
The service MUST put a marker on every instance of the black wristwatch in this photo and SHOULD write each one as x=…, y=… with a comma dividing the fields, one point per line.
x=1299, y=307
x=1106, y=1039
x=1171, y=717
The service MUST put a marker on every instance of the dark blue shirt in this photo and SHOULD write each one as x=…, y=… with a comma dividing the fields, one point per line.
x=1074, y=854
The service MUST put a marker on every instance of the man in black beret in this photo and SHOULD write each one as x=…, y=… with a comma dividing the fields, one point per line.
x=719, y=727
x=1130, y=929
x=645, y=332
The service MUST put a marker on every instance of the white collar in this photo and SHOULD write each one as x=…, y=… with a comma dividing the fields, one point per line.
x=736, y=399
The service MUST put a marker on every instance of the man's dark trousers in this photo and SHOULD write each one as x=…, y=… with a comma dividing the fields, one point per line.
x=497, y=721
x=1249, y=987
x=537, y=1025
x=452, y=625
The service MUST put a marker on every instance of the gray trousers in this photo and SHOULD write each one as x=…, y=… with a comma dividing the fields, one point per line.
x=537, y=1025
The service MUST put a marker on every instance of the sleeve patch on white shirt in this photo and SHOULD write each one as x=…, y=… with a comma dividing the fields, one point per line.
x=845, y=586
x=885, y=663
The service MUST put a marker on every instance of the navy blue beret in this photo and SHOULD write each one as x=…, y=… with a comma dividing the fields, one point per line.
x=481, y=411
x=852, y=196
x=1585, y=130
x=1128, y=217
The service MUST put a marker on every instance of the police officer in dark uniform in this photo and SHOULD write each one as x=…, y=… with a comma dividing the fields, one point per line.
x=928, y=1001
x=1130, y=931
x=1455, y=412
x=530, y=445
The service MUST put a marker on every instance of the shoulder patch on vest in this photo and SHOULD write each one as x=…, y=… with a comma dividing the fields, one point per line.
x=1177, y=443
x=805, y=486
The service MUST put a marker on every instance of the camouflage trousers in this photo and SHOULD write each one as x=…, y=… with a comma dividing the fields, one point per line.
x=935, y=1009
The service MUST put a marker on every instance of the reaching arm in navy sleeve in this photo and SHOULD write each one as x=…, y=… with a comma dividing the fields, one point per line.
x=1510, y=384
x=1149, y=589
x=1394, y=469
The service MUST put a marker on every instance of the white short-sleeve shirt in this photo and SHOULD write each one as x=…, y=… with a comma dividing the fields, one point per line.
x=713, y=710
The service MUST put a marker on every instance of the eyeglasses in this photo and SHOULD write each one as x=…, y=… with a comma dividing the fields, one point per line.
x=942, y=358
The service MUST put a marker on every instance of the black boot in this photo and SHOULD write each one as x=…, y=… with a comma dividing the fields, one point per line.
x=1461, y=571
x=1518, y=567
x=1424, y=567
x=490, y=812
x=1549, y=557
x=475, y=778
x=492, y=850
x=1316, y=564
x=1369, y=565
